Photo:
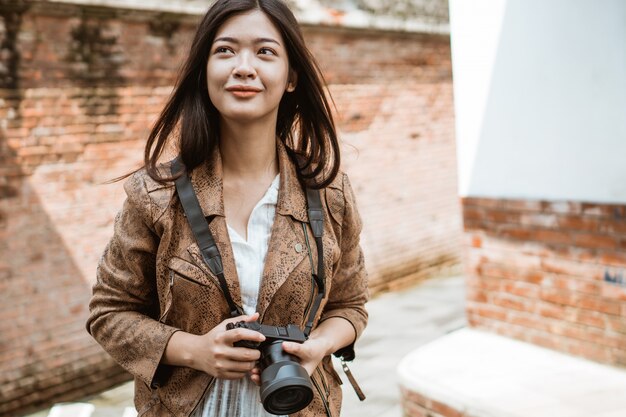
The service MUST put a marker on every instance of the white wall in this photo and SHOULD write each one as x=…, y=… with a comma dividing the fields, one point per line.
x=540, y=98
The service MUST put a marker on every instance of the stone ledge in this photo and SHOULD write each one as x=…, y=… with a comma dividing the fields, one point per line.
x=471, y=373
x=307, y=12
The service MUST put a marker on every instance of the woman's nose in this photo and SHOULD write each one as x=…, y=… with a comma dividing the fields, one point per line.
x=244, y=67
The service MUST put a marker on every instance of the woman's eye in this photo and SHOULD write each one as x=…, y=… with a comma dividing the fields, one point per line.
x=222, y=50
x=267, y=51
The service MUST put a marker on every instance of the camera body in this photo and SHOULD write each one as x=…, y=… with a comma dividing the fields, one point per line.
x=289, y=333
x=285, y=385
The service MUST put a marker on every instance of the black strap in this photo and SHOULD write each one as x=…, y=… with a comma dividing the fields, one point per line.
x=316, y=220
x=201, y=231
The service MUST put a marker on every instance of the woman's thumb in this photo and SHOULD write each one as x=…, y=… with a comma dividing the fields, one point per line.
x=291, y=347
x=252, y=317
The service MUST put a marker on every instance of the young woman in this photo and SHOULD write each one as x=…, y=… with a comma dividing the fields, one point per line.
x=254, y=132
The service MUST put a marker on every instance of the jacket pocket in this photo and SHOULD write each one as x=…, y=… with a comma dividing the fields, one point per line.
x=192, y=301
x=180, y=269
x=191, y=272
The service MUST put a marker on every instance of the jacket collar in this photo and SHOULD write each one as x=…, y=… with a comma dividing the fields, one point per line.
x=207, y=183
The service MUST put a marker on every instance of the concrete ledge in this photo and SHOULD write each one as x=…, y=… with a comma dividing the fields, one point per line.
x=471, y=373
x=433, y=19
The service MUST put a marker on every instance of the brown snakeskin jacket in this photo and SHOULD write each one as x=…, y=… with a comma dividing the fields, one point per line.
x=152, y=282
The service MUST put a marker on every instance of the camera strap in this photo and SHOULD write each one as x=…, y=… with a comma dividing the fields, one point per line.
x=202, y=233
x=316, y=220
x=211, y=255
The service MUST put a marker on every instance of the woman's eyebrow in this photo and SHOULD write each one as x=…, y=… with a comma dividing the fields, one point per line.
x=234, y=40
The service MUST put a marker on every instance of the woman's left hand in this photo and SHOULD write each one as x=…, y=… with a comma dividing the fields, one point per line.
x=310, y=354
x=329, y=336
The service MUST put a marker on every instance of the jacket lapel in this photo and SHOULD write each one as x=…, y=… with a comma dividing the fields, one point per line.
x=282, y=258
x=207, y=183
x=287, y=247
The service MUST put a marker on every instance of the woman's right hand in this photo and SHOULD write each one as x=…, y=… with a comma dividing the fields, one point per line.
x=214, y=352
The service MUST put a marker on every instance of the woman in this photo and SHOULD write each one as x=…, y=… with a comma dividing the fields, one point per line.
x=253, y=128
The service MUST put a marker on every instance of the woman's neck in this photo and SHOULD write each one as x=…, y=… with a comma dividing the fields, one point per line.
x=248, y=151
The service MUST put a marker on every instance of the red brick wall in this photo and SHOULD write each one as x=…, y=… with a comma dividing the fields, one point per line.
x=416, y=405
x=549, y=273
x=396, y=122
x=79, y=88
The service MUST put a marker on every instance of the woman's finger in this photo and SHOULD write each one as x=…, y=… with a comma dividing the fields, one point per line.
x=225, y=366
x=234, y=335
x=231, y=375
x=294, y=348
x=240, y=354
x=246, y=318
x=252, y=317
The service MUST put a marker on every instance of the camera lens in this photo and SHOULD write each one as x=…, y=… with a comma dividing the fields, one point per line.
x=285, y=384
x=288, y=400
x=290, y=395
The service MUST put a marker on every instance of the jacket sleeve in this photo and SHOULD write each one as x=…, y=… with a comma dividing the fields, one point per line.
x=349, y=292
x=124, y=302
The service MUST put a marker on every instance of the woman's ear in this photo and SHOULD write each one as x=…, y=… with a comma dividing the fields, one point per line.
x=293, y=81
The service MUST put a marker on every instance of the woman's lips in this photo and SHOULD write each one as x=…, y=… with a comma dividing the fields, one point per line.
x=243, y=91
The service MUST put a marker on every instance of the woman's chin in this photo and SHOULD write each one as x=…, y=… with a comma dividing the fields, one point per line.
x=246, y=117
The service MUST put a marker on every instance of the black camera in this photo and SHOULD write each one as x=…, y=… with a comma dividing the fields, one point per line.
x=285, y=385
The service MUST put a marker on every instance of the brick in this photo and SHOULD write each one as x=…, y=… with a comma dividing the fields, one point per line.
x=613, y=292
x=521, y=205
x=487, y=310
x=501, y=216
x=516, y=232
x=594, y=209
x=551, y=236
x=612, y=258
x=511, y=302
x=595, y=241
x=561, y=207
x=529, y=321
x=547, y=220
x=617, y=227
x=482, y=202
x=522, y=289
x=445, y=410
x=578, y=223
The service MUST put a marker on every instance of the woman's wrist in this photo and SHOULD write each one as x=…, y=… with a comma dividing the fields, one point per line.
x=180, y=350
x=337, y=333
x=325, y=342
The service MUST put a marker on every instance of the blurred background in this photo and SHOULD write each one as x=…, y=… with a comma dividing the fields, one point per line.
x=524, y=206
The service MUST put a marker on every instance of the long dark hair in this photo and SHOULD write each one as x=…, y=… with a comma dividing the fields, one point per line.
x=305, y=124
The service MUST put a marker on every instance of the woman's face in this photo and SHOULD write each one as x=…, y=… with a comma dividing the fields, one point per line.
x=248, y=68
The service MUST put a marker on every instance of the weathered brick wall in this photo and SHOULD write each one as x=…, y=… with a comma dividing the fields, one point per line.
x=417, y=405
x=80, y=88
x=549, y=273
x=394, y=97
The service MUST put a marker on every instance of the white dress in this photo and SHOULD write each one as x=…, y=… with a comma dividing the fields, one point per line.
x=240, y=398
